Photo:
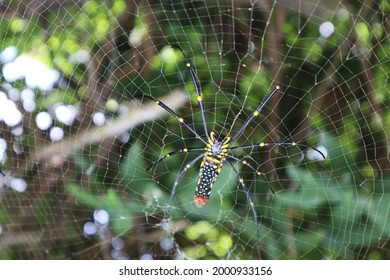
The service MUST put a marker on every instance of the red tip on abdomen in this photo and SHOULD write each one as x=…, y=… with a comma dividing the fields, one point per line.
x=200, y=201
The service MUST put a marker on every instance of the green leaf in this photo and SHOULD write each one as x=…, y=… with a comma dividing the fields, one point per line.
x=121, y=211
x=341, y=151
x=132, y=169
x=314, y=191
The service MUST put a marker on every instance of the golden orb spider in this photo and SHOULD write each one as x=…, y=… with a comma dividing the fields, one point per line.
x=217, y=148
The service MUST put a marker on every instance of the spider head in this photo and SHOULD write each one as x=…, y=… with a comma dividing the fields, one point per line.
x=218, y=143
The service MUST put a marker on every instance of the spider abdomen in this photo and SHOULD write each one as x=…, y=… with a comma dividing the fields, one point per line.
x=209, y=171
x=217, y=149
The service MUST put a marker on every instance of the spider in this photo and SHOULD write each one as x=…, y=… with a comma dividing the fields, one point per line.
x=217, y=148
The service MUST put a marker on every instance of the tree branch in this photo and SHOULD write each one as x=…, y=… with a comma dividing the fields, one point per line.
x=137, y=115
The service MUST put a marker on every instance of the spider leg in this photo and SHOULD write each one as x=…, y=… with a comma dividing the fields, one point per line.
x=197, y=88
x=180, y=119
x=180, y=176
x=248, y=197
x=257, y=111
x=181, y=151
x=244, y=162
x=272, y=144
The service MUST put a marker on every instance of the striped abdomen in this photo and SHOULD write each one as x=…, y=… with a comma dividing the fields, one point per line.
x=209, y=171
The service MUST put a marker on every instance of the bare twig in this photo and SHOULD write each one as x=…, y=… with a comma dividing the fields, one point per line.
x=138, y=114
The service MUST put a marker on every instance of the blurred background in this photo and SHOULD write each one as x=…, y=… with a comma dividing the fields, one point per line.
x=77, y=134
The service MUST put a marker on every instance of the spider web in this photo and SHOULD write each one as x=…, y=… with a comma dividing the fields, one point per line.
x=77, y=133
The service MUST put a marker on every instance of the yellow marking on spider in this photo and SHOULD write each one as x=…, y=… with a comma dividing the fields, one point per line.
x=157, y=102
x=188, y=64
x=244, y=162
x=212, y=159
x=256, y=113
x=261, y=144
x=200, y=98
x=188, y=166
x=181, y=120
x=241, y=180
x=277, y=87
x=185, y=150
x=293, y=144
